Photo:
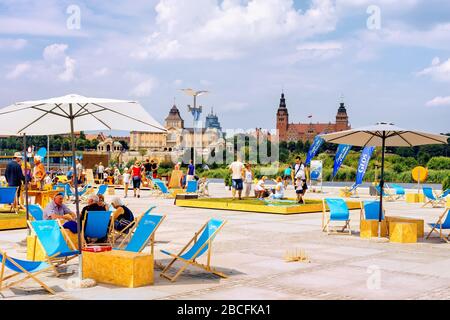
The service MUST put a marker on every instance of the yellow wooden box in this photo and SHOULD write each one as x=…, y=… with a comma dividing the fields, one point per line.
x=369, y=228
x=412, y=197
x=448, y=202
x=402, y=232
x=418, y=222
x=11, y=224
x=117, y=267
x=35, y=251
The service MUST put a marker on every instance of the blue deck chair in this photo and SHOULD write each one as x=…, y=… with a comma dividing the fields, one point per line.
x=116, y=234
x=36, y=212
x=50, y=236
x=387, y=195
x=102, y=189
x=192, y=186
x=432, y=199
x=195, y=249
x=96, y=226
x=144, y=232
x=399, y=190
x=29, y=269
x=441, y=224
x=338, y=213
x=8, y=196
x=163, y=188
x=371, y=210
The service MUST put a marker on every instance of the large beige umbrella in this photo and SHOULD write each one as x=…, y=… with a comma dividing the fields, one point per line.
x=384, y=135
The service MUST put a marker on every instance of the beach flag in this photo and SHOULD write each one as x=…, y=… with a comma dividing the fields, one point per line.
x=315, y=146
x=366, y=154
x=341, y=154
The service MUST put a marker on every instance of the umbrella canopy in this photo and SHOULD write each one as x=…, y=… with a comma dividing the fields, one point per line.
x=71, y=113
x=394, y=137
x=384, y=135
x=52, y=116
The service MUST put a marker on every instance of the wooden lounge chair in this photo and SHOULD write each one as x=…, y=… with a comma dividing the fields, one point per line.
x=36, y=212
x=8, y=196
x=144, y=231
x=432, y=199
x=96, y=225
x=117, y=234
x=338, y=213
x=50, y=236
x=29, y=269
x=440, y=225
x=195, y=248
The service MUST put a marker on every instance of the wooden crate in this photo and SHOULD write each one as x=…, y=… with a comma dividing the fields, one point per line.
x=120, y=268
x=369, y=228
x=418, y=222
x=403, y=232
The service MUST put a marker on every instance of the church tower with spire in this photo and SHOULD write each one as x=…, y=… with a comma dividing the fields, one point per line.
x=282, y=119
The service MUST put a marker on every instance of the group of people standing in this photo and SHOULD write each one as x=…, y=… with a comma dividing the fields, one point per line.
x=242, y=181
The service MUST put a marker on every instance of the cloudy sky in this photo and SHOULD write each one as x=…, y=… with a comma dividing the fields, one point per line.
x=395, y=68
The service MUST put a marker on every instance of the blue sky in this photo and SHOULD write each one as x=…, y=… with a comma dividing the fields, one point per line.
x=243, y=52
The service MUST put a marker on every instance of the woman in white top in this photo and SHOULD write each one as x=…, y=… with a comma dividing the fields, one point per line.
x=279, y=189
x=248, y=180
x=126, y=180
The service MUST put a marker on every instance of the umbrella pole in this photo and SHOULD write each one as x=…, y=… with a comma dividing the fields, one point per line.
x=380, y=213
x=75, y=184
x=26, y=181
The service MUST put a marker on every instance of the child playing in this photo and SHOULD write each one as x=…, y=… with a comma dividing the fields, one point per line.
x=126, y=180
x=260, y=188
x=300, y=190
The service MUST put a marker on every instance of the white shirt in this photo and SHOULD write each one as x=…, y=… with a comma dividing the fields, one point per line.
x=299, y=171
x=279, y=188
x=248, y=176
x=101, y=169
x=126, y=177
x=236, y=168
x=79, y=169
x=260, y=185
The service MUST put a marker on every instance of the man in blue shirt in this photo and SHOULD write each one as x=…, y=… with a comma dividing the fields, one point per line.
x=14, y=174
x=191, y=171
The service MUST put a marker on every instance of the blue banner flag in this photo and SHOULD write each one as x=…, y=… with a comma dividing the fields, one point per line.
x=366, y=154
x=341, y=153
x=315, y=146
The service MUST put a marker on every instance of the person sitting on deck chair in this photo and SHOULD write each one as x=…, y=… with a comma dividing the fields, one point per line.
x=57, y=210
x=93, y=205
x=122, y=215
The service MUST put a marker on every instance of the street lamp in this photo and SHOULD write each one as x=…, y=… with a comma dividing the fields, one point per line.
x=195, y=111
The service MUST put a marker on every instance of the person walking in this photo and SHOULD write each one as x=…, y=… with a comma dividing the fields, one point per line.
x=154, y=168
x=79, y=167
x=100, y=171
x=299, y=173
x=148, y=168
x=287, y=175
x=248, y=180
x=14, y=175
x=136, y=172
x=237, y=168
x=126, y=180
x=190, y=172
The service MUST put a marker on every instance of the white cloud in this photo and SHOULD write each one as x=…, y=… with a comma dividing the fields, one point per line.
x=439, y=101
x=319, y=50
x=438, y=71
x=69, y=69
x=55, y=51
x=178, y=82
x=18, y=70
x=12, y=44
x=101, y=72
x=216, y=30
x=145, y=88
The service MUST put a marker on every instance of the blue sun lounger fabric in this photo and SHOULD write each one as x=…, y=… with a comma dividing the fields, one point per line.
x=29, y=269
x=143, y=232
x=96, y=224
x=195, y=249
x=372, y=210
x=36, y=212
x=52, y=240
x=191, y=186
x=338, y=212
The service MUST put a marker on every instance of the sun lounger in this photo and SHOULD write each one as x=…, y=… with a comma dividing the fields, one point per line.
x=96, y=226
x=192, y=186
x=370, y=210
x=164, y=191
x=36, y=212
x=29, y=269
x=50, y=235
x=432, y=199
x=338, y=213
x=116, y=234
x=143, y=232
x=440, y=225
x=195, y=248
x=8, y=196
x=387, y=194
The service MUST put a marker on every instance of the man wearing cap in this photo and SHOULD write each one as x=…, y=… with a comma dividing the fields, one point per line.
x=57, y=210
x=14, y=174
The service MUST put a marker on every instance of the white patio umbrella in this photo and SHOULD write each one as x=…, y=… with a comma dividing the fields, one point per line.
x=384, y=135
x=71, y=113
